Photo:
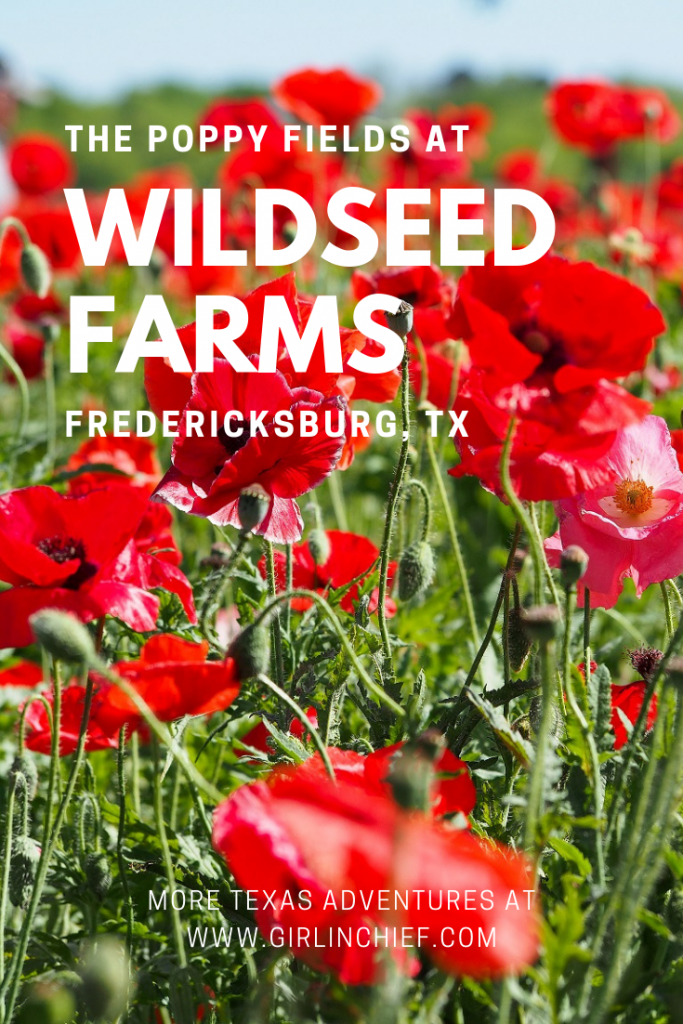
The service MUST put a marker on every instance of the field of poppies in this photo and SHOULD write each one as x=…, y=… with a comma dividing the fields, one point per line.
x=352, y=729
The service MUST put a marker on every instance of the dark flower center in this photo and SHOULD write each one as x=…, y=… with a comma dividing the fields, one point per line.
x=233, y=444
x=65, y=549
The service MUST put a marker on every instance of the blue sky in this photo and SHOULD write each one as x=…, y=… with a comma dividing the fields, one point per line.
x=98, y=49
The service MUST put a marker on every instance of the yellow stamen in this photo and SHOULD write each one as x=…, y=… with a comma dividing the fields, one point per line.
x=633, y=497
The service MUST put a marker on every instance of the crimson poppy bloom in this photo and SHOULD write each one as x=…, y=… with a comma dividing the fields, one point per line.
x=240, y=113
x=73, y=553
x=597, y=115
x=299, y=834
x=545, y=342
x=327, y=97
x=39, y=164
x=174, y=678
x=135, y=457
x=208, y=474
x=351, y=555
x=49, y=225
x=27, y=347
x=39, y=731
x=23, y=673
x=628, y=700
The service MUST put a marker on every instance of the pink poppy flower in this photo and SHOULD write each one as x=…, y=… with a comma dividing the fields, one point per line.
x=632, y=526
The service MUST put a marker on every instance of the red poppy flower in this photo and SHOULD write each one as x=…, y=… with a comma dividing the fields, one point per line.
x=300, y=833
x=50, y=227
x=133, y=456
x=453, y=790
x=39, y=164
x=174, y=678
x=240, y=113
x=72, y=553
x=208, y=474
x=27, y=347
x=39, y=731
x=629, y=700
x=23, y=673
x=544, y=342
x=34, y=310
x=351, y=555
x=597, y=115
x=327, y=97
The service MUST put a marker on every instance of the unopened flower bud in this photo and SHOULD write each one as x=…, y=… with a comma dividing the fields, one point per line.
x=519, y=643
x=250, y=650
x=401, y=322
x=48, y=1003
x=49, y=329
x=22, y=871
x=35, y=270
x=541, y=622
x=98, y=873
x=362, y=614
x=63, y=636
x=573, y=564
x=415, y=570
x=105, y=976
x=252, y=506
x=24, y=765
x=319, y=546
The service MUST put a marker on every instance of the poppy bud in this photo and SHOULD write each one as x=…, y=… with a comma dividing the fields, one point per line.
x=319, y=546
x=252, y=507
x=541, y=622
x=26, y=766
x=573, y=564
x=47, y=1003
x=250, y=650
x=49, y=330
x=519, y=643
x=362, y=614
x=105, y=978
x=401, y=322
x=98, y=873
x=35, y=270
x=22, y=871
x=63, y=636
x=415, y=570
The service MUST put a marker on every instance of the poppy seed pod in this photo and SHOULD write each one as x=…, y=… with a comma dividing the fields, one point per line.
x=98, y=873
x=319, y=546
x=573, y=564
x=35, y=270
x=26, y=766
x=250, y=650
x=401, y=322
x=63, y=636
x=252, y=507
x=415, y=570
x=541, y=622
x=22, y=871
x=105, y=979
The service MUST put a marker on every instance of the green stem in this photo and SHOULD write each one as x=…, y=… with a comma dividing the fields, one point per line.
x=417, y=485
x=135, y=771
x=166, y=856
x=303, y=718
x=392, y=501
x=120, y=761
x=534, y=809
x=338, y=504
x=6, y=861
x=455, y=543
x=277, y=629
x=367, y=679
x=668, y=611
x=50, y=402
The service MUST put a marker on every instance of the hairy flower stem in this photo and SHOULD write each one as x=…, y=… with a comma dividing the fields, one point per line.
x=303, y=718
x=589, y=739
x=6, y=861
x=417, y=485
x=50, y=402
x=621, y=782
x=528, y=521
x=166, y=854
x=364, y=675
x=50, y=834
x=535, y=802
x=667, y=610
x=121, y=779
x=455, y=543
x=277, y=629
x=392, y=502
x=640, y=869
